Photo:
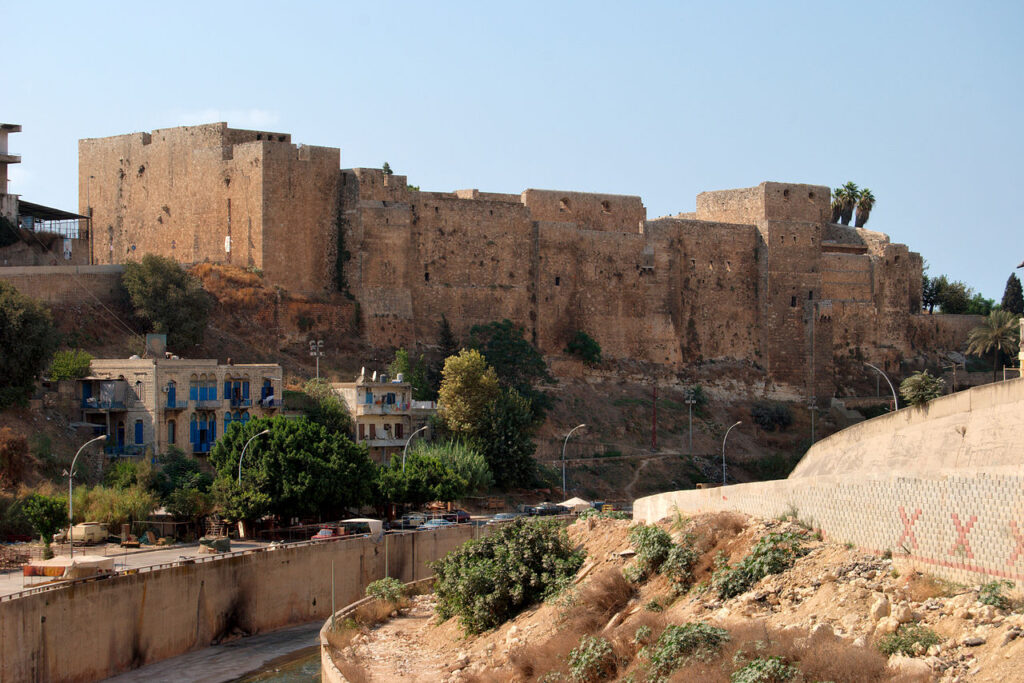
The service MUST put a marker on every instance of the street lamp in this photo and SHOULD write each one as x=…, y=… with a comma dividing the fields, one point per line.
x=316, y=349
x=407, y=442
x=564, y=443
x=71, y=476
x=895, y=401
x=265, y=431
x=723, y=450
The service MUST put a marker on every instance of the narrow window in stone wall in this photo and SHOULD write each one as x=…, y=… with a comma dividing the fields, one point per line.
x=792, y=301
x=426, y=277
x=558, y=281
x=810, y=295
x=399, y=431
x=171, y=426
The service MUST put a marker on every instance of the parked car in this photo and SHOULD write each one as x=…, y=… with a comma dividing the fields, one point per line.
x=412, y=520
x=551, y=509
x=457, y=516
x=85, y=533
x=327, y=532
x=526, y=509
x=436, y=523
x=503, y=517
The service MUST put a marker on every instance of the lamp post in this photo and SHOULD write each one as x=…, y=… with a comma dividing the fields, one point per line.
x=690, y=400
x=265, y=431
x=895, y=401
x=316, y=349
x=71, y=476
x=564, y=444
x=723, y=449
x=407, y=442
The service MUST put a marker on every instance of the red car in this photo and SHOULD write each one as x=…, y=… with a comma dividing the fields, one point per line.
x=327, y=532
x=457, y=516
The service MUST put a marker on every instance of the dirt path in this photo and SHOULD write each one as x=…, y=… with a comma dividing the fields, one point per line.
x=398, y=651
x=636, y=477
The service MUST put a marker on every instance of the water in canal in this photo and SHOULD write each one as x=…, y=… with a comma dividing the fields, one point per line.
x=302, y=666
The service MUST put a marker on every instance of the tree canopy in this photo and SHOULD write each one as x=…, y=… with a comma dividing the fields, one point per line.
x=1013, y=297
x=413, y=373
x=584, y=347
x=27, y=342
x=468, y=386
x=517, y=363
x=998, y=333
x=46, y=514
x=298, y=469
x=427, y=476
x=167, y=299
x=326, y=408
x=921, y=387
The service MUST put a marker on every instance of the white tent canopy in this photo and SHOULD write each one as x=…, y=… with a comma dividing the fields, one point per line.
x=576, y=504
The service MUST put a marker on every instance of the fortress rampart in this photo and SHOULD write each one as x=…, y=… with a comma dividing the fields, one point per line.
x=755, y=274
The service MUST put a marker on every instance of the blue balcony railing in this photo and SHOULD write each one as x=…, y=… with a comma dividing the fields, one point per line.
x=123, y=450
x=176, y=405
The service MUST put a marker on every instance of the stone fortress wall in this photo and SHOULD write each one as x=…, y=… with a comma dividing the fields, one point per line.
x=938, y=485
x=755, y=274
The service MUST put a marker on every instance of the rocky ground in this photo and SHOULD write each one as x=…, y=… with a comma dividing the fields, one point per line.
x=825, y=615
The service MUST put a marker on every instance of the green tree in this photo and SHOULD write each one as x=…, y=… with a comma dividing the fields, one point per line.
x=27, y=342
x=425, y=477
x=468, y=387
x=70, y=364
x=447, y=346
x=979, y=305
x=504, y=436
x=865, y=203
x=179, y=472
x=464, y=459
x=583, y=346
x=1013, y=297
x=518, y=364
x=413, y=373
x=953, y=297
x=113, y=506
x=298, y=469
x=168, y=299
x=387, y=169
x=850, y=199
x=326, y=408
x=920, y=388
x=838, y=202
x=998, y=333
x=929, y=293
x=46, y=514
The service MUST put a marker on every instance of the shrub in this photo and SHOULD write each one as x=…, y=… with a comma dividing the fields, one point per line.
x=168, y=299
x=920, y=388
x=70, y=364
x=768, y=416
x=27, y=341
x=772, y=554
x=765, y=670
x=909, y=639
x=652, y=545
x=13, y=456
x=992, y=594
x=677, y=644
x=388, y=589
x=488, y=580
x=592, y=660
x=600, y=514
x=678, y=566
x=583, y=346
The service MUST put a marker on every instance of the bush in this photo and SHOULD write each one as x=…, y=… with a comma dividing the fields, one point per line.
x=13, y=456
x=488, y=580
x=583, y=346
x=992, y=594
x=765, y=670
x=678, y=566
x=592, y=660
x=909, y=639
x=593, y=513
x=388, y=589
x=678, y=644
x=768, y=416
x=70, y=364
x=652, y=545
x=772, y=554
x=168, y=299
x=920, y=388
x=27, y=342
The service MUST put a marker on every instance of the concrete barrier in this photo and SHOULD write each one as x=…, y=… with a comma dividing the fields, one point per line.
x=94, y=629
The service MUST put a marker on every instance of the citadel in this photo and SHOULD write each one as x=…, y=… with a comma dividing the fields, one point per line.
x=757, y=274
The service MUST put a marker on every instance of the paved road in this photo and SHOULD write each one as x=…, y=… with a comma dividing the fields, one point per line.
x=13, y=581
x=229, y=661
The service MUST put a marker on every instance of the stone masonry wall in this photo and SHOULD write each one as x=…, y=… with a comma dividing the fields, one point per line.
x=67, y=284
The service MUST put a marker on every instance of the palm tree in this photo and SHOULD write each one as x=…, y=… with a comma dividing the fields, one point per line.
x=864, y=206
x=849, y=201
x=838, y=199
x=998, y=333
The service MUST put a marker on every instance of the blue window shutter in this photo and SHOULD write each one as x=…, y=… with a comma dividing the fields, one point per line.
x=213, y=391
x=227, y=388
x=193, y=431
x=193, y=392
x=245, y=390
x=213, y=429
x=138, y=432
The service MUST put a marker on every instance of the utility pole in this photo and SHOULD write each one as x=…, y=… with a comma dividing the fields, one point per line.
x=690, y=400
x=316, y=349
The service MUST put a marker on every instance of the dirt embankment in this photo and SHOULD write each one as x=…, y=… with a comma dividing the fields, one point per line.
x=825, y=617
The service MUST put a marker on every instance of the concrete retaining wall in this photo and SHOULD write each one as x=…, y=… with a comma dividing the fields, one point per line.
x=91, y=630
x=940, y=485
x=66, y=284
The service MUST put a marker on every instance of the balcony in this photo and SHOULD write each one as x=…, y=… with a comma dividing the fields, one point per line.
x=121, y=451
x=176, y=405
x=241, y=403
x=96, y=405
x=207, y=403
x=202, y=447
x=381, y=408
x=384, y=443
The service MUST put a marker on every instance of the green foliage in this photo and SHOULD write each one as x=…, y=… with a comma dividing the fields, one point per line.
x=991, y=593
x=387, y=169
x=907, y=639
x=951, y=296
x=698, y=394
x=466, y=461
x=298, y=469
x=591, y=660
x=180, y=471
x=168, y=299
x=504, y=437
x=112, y=506
x=468, y=387
x=652, y=545
x=772, y=554
x=678, y=644
x=584, y=347
x=9, y=233
x=765, y=670
x=425, y=477
x=769, y=415
x=678, y=565
x=413, y=373
x=921, y=387
x=517, y=363
x=601, y=514
x=46, y=514
x=998, y=333
x=70, y=364
x=388, y=589
x=486, y=581
x=642, y=635
x=27, y=342
x=326, y=408
x=979, y=305
x=1013, y=296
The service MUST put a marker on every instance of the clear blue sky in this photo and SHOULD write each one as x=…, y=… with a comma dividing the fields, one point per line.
x=921, y=102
